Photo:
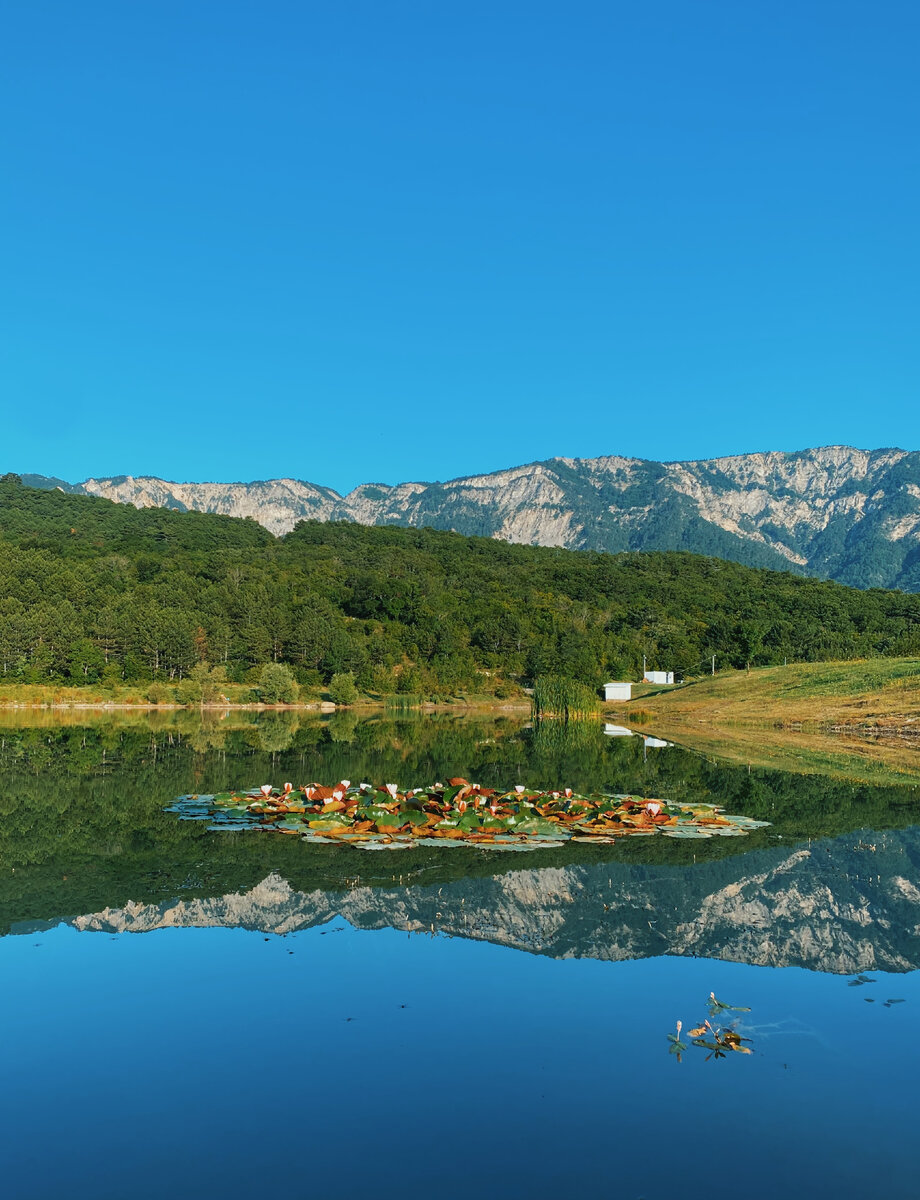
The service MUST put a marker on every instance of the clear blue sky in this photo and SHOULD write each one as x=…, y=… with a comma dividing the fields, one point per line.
x=372, y=239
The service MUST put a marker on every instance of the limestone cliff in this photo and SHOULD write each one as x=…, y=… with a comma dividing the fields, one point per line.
x=839, y=512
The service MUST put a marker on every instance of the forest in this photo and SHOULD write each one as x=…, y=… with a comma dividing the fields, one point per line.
x=92, y=592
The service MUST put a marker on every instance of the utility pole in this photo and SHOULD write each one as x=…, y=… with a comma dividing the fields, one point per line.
x=643, y=668
x=713, y=664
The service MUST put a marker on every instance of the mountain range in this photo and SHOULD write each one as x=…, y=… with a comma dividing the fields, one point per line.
x=836, y=512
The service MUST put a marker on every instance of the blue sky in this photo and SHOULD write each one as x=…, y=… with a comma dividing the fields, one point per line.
x=355, y=240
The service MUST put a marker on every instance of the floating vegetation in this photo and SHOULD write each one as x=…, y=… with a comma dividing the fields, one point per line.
x=719, y=1040
x=376, y=817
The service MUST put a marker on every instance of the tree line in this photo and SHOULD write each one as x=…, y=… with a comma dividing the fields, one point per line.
x=94, y=592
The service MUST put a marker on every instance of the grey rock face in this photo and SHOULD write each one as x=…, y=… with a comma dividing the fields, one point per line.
x=839, y=512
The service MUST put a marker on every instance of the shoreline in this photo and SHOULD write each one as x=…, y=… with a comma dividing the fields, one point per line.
x=315, y=706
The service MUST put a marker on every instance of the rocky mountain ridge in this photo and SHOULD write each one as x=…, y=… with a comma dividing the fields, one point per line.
x=837, y=512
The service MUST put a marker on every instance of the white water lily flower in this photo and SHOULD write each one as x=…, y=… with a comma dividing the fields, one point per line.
x=519, y=787
x=346, y=783
x=392, y=788
x=288, y=787
x=266, y=789
x=568, y=793
x=653, y=808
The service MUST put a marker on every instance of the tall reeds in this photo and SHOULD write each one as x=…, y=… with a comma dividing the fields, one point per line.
x=563, y=698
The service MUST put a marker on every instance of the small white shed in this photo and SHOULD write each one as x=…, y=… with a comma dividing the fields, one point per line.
x=617, y=691
x=658, y=677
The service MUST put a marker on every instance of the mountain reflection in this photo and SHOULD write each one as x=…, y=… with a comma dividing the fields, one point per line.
x=833, y=885
x=845, y=905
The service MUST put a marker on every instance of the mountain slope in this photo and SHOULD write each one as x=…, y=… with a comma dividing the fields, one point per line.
x=839, y=512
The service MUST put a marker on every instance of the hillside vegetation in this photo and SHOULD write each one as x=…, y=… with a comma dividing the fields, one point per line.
x=92, y=591
x=878, y=695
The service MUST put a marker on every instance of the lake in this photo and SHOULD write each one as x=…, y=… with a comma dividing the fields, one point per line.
x=226, y=1014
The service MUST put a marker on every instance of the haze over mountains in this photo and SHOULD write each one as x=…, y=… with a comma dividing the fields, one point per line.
x=837, y=512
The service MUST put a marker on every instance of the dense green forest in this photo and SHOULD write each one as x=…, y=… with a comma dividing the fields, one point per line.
x=94, y=592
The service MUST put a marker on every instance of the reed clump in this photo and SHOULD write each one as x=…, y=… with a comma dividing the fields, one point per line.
x=563, y=698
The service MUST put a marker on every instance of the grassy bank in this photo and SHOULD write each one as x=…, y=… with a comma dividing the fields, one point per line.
x=867, y=696
x=142, y=698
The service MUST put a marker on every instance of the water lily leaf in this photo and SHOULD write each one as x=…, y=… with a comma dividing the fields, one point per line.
x=717, y=1006
x=412, y=817
x=333, y=821
x=371, y=845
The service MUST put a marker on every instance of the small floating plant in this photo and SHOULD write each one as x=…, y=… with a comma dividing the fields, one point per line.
x=377, y=817
x=720, y=1040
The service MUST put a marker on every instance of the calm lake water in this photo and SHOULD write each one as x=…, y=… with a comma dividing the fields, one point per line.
x=229, y=1014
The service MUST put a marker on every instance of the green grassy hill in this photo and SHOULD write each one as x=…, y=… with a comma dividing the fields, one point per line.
x=877, y=694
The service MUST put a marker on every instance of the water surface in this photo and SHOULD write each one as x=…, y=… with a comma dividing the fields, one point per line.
x=331, y=1022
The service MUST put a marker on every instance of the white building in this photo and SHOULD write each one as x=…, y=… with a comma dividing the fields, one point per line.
x=617, y=691
x=658, y=677
x=617, y=731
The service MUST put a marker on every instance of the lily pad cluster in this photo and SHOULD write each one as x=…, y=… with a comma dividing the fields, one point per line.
x=455, y=813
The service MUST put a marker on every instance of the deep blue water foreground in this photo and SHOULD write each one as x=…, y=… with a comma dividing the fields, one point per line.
x=219, y=1015
x=340, y=1063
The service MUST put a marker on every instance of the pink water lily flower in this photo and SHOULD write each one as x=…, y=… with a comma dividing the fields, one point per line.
x=288, y=788
x=266, y=789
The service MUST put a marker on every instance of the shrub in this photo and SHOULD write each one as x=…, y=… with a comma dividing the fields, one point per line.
x=342, y=689
x=159, y=693
x=277, y=684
